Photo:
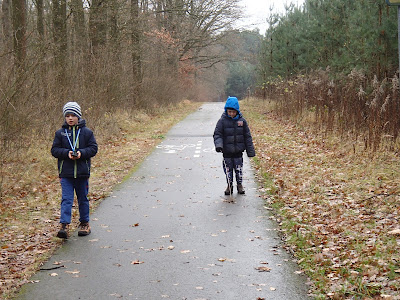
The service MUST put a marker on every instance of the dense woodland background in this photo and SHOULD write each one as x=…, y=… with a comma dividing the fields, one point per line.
x=336, y=62
x=332, y=62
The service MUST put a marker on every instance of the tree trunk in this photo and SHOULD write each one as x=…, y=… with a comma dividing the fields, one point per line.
x=97, y=24
x=114, y=30
x=136, y=54
x=19, y=32
x=39, y=21
x=78, y=23
x=6, y=22
x=60, y=36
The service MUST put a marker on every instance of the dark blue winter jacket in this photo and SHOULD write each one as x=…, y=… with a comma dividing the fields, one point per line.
x=85, y=143
x=233, y=134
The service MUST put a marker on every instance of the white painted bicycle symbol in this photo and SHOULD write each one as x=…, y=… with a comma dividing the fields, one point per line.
x=175, y=148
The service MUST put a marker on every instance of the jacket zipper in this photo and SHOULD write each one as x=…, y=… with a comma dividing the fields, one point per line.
x=75, y=163
x=234, y=135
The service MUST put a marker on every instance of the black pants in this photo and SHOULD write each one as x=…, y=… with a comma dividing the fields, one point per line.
x=235, y=163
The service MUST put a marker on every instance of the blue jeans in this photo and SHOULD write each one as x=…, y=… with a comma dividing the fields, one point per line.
x=230, y=164
x=81, y=187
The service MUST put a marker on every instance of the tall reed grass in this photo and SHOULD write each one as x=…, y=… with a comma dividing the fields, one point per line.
x=358, y=108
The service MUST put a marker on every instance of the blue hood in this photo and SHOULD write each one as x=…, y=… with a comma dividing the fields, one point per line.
x=232, y=102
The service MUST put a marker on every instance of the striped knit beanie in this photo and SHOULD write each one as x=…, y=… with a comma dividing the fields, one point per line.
x=72, y=107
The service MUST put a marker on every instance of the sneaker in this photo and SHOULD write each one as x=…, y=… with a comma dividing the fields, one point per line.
x=240, y=189
x=63, y=232
x=229, y=189
x=84, y=229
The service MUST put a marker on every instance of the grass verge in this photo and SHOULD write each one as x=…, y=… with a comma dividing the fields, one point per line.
x=338, y=206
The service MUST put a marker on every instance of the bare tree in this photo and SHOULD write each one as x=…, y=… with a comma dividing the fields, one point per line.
x=78, y=15
x=97, y=24
x=40, y=20
x=60, y=36
x=197, y=25
x=136, y=52
x=6, y=24
x=19, y=32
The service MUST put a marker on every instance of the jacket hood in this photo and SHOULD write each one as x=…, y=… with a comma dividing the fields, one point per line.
x=81, y=123
x=233, y=103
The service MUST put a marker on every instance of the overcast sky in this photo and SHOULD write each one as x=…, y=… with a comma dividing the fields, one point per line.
x=258, y=11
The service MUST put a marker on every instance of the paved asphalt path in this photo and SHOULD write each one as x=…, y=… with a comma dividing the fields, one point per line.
x=169, y=232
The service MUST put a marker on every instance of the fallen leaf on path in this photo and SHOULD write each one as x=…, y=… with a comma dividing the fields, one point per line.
x=53, y=274
x=222, y=259
x=263, y=269
x=137, y=262
x=185, y=251
x=73, y=272
x=226, y=259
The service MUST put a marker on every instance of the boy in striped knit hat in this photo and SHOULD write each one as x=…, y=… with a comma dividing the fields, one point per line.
x=74, y=144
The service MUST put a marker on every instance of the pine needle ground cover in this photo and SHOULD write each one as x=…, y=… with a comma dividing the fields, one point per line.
x=337, y=206
x=31, y=192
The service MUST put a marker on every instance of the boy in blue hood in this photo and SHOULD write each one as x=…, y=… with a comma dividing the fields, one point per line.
x=74, y=144
x=231, y=137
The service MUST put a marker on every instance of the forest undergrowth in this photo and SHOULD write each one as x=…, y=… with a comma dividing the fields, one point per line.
x=30, y=203
x=336, y=203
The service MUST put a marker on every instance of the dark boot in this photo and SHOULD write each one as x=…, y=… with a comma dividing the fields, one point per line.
x=229, y=189
x=240, y=189
x=63, y=232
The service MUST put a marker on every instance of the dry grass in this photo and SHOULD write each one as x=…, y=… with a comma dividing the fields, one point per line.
x=31, y=191
x=353, y=106
x=336, y=206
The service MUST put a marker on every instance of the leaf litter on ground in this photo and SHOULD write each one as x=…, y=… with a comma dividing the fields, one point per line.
x=29, y=207
x=337, y=206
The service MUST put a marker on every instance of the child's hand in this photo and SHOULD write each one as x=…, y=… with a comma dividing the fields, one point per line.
x=74, y=157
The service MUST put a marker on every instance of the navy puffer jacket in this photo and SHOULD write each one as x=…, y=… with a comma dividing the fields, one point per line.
x=233, y=134
x=86, y=144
